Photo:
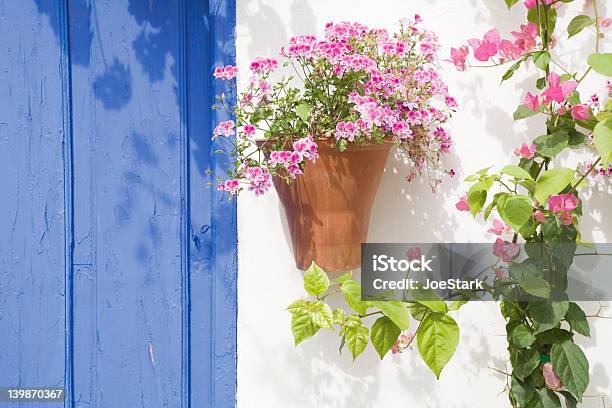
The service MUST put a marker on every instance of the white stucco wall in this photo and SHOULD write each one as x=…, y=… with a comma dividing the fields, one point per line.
x=271, y=371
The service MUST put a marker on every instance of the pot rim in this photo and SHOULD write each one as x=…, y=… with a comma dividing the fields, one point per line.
x=386, y=144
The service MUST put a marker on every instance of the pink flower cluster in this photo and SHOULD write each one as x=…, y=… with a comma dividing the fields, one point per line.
x=492, y=45
x=383, y=84
x=557, y=91
x=562, y=205
x=259, y=179
x=228, y=72
x=230, y=186
x=224, y=129
x=264, y=65
x=290, y=160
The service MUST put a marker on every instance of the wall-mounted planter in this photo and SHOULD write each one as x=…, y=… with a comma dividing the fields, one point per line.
x=328, y=207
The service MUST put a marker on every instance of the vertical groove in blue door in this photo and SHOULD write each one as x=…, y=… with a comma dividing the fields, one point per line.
x=118, y=276
x=68, y=156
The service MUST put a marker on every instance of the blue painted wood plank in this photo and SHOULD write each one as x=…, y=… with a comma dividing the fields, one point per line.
x=33, y=163
x=213, y=263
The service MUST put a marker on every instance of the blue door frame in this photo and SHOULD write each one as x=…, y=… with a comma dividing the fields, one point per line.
x=118, y=264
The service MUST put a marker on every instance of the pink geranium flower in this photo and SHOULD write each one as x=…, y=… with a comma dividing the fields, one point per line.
x=249, y=130
x=580, y=112
x=230, y=186
x=228, y=72
x=487, y=47
x=224, y=129
x=462, y=204
x=525, y=151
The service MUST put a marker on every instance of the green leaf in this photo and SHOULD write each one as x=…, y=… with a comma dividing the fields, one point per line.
x=316, y=280
x=298, y=306
x=516, y=171
x=577, y=320
x=572, y=367
x=476, y=199
x=356, y=337
x=553, y=144
x=601, y=63
x=302, y=326
x=303, y=111
x=510, y=3
x=521, y=337
x=437, y=340
x=553, y=336
x=552, y=182
x=536, y=287
x=384, y=335
x=547, y=315
x=352, y=294
x=516, y=211
x=396, y=311
x=321, y=315
x=508, y=74
x=524, y=362
x=418, y=311
x=522, y=393
x=578, y=24
x=523, y=112
x=545, y=398
x=339, y=316
x=342, y=278
x=541, y=59
x=603, y=141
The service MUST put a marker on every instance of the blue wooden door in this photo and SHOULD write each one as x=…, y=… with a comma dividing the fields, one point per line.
x=118, y=260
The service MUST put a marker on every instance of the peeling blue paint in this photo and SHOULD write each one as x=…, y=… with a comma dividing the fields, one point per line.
x=118, y=261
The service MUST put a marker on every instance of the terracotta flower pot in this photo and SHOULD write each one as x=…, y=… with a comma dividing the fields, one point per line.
x=328, y=207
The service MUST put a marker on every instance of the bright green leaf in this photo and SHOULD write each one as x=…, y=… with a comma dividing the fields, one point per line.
x=302, y=326
x=396, y=311
x=342, y=278
x=541, y=59
x=603, y=140
x=316, y=280
x=601, y=63
x=545, y=398
x=356, y=338
x=321, y=315
x=552, y=182
x=516, y=171
x=384, y=335
x=437, y=340
x=516, y=211
x=352, y=294
x=510, y=3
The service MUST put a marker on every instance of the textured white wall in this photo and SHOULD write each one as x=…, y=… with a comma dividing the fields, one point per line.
x=271, y=371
